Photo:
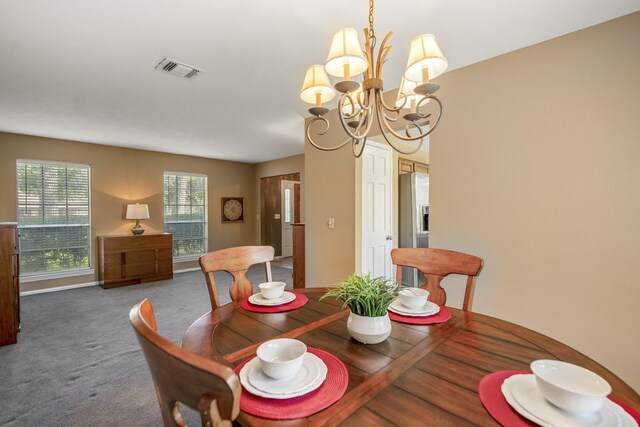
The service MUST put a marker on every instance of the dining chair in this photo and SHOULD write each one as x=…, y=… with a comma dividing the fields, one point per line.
x=235, y=261
x=436, y=264
x=179, y=376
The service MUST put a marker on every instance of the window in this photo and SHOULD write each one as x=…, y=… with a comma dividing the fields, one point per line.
x=287, y=205
x=53, y=217
x=185, y=213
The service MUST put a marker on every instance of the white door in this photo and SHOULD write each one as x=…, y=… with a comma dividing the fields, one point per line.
x=376, y=210
x=287, y=217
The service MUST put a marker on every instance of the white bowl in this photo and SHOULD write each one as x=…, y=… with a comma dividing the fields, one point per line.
x=570, y=387
x=413, y=297
x=281, y=358
x=272, y=290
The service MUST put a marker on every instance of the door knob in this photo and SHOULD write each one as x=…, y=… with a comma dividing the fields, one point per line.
x=389, y=237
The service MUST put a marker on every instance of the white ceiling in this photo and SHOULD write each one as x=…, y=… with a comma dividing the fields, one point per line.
x=84, y=70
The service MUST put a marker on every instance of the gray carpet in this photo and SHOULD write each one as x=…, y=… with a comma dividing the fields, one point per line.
x=77, y=361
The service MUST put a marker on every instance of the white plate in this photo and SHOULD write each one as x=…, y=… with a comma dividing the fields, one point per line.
x=308, y=373
x=426, y=310
x=309, y=358
x=531, y=404
x=258, y=299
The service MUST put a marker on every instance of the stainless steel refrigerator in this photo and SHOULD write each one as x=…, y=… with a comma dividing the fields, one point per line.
x=413, y=219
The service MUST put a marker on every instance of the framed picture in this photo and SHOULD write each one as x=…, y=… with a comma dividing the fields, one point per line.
x=232, y=209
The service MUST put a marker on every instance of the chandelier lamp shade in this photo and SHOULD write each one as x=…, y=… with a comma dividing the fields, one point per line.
x=360, y=104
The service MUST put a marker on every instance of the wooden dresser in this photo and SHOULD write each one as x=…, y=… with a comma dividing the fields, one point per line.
x=9, y=284
x=129, y=260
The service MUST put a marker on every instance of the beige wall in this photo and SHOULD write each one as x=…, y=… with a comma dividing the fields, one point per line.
x=283, y=166
x=120, y=176
x=536, y=168
x=330, y=193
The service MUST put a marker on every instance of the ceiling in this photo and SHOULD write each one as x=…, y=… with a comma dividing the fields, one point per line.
x=84, y=70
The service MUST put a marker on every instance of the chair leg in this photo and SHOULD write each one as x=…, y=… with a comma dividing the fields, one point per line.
x=209, y=413
x=171, y=415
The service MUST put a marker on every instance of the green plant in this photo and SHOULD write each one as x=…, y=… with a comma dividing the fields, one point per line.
x=364, y=295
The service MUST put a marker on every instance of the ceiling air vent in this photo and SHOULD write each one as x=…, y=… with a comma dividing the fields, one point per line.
x=179, y=69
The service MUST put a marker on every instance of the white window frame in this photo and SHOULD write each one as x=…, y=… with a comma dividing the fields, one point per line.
x=184, y=258
x=71, y=272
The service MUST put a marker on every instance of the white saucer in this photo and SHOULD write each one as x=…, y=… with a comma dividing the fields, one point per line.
x=426, y=310
x=301, y=389
x=308, y=373
x=522, y=393
x=258, y=299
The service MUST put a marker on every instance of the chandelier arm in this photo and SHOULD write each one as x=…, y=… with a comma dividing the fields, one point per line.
x=394, y=109
x=326, y=123
x=341, y=104
x=367, y=96
x=358, y=133
x=399, y=150
x=357, y=154
x=422, y=135
x=384, y=125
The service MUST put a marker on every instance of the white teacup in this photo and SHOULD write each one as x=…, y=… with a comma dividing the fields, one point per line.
x=271, y=290
x=413, y=297
x=281, y=358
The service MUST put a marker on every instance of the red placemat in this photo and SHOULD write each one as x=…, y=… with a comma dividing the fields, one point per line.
x=301, y=300
x=494, y=402
x=497, y=406
x=321, y=398
x=440, y=317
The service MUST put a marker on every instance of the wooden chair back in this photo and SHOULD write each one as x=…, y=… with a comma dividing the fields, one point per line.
x=236, y=261
x=436, y=264
x=209, y=387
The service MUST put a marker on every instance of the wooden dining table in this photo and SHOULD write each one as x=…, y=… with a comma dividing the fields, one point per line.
x=420, y=375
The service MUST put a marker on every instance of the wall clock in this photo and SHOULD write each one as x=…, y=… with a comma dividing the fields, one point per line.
x=232, y=209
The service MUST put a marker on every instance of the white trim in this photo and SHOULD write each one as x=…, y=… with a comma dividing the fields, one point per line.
x=36, y=277
x=58, y=288
x=186, y=270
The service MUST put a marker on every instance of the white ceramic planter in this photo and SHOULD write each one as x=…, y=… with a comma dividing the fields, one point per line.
x=369, y=330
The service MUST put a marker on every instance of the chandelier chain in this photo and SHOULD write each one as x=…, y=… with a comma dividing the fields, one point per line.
x=371, y=32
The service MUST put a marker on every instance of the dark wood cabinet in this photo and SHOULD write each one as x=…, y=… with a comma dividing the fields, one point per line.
x=9, y=284
x=129, y=260
x=298, y=256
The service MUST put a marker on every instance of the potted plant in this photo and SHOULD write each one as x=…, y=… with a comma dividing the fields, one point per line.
x=368, y=299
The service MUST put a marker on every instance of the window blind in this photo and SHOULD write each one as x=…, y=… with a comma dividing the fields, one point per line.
x=185, y=212
x=53, y=216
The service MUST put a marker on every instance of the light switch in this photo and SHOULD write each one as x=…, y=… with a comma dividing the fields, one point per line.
x=276, y=216
x=331, y=223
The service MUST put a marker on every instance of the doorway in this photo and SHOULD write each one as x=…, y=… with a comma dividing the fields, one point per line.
x=272, y=213
x=376, y=212
x=290, y=214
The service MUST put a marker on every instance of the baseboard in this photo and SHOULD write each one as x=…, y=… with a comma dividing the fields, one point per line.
x=186, y=270
x=85, y=285
x=58, y=288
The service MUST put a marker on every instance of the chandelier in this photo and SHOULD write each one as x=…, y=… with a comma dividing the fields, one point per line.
x=359, y=104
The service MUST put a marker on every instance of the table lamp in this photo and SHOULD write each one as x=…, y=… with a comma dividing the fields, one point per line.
x=137, y=212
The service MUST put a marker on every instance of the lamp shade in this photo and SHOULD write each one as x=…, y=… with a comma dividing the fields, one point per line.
x=316, y=81
x=407, y=88
x=346, y=49
x=138, y=211
x=425, y=53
